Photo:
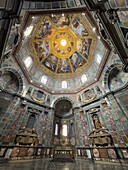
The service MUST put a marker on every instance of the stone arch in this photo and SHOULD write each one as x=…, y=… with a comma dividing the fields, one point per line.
x=18, y=75
x=107, y=73
x=63, y=98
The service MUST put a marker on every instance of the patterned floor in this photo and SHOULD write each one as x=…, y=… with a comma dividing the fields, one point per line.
x=47, y=165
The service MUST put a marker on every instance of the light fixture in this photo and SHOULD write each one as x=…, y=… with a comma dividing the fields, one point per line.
x=63, y=42
x=94, y=29
x=99, y=1
x=52, y=15
x=99, y=37
x=31, y=81
x=28, y=31
x=62, y=15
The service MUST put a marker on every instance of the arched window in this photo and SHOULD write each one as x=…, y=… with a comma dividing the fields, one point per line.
x=28, y=62
x=31, y=121
x=98, y=58
x=83, y=78
x=28, y=31
x=44, y=79
x=56, y=129
x=64, y=84
x=64, y=130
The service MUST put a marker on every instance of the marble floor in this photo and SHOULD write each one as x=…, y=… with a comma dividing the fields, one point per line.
x=47, y=165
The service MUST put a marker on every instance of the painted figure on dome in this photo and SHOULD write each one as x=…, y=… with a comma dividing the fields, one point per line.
x=42, y=48
x=58, y=50
x=50, y=62
x=77, y=61
x=69, y=37
x=64, y=66
x=61, y=20
x=69, y=49
x=55, y=44
x=62, y=34
x=57, y=37
x=78, y=28
x=63, y=52
x=83, y=47
x=45, y=30
x=71, y=43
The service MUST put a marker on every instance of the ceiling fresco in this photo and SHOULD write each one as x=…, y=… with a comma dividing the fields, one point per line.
x=63, y=45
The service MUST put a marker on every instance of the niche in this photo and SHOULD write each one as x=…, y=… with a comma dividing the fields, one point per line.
x=96, y=121
x=9, y=81
x=31, y=121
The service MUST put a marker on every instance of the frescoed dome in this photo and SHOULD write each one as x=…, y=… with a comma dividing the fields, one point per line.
x=62, y=45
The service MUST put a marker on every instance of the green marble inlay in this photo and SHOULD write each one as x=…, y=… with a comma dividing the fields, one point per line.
x=115, y=117
x=109, y=127
x=125, y=124
x=118, y=125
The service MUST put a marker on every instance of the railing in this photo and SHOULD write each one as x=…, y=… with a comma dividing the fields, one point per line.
x=29, y=5
x=110, y=154
x=16, y=152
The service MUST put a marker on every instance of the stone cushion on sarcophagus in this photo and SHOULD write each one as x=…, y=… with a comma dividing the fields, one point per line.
x=97, y=141
x=28, y=139
x=20, y=139
x=104, y=140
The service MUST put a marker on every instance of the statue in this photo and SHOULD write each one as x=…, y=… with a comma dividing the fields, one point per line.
x=97, y=123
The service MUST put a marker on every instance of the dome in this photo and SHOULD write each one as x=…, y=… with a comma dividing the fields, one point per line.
x=62, y=47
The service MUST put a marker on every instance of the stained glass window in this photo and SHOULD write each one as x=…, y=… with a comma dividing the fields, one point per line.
x=98, y=58
x=56, y=129
x=28, y=62
x=83, y=78
x=44, y=79
x=64, y=130
x=64, y=84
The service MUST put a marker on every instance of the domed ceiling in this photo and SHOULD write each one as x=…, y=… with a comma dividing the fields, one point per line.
x=62, y=45
x=61, y=52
